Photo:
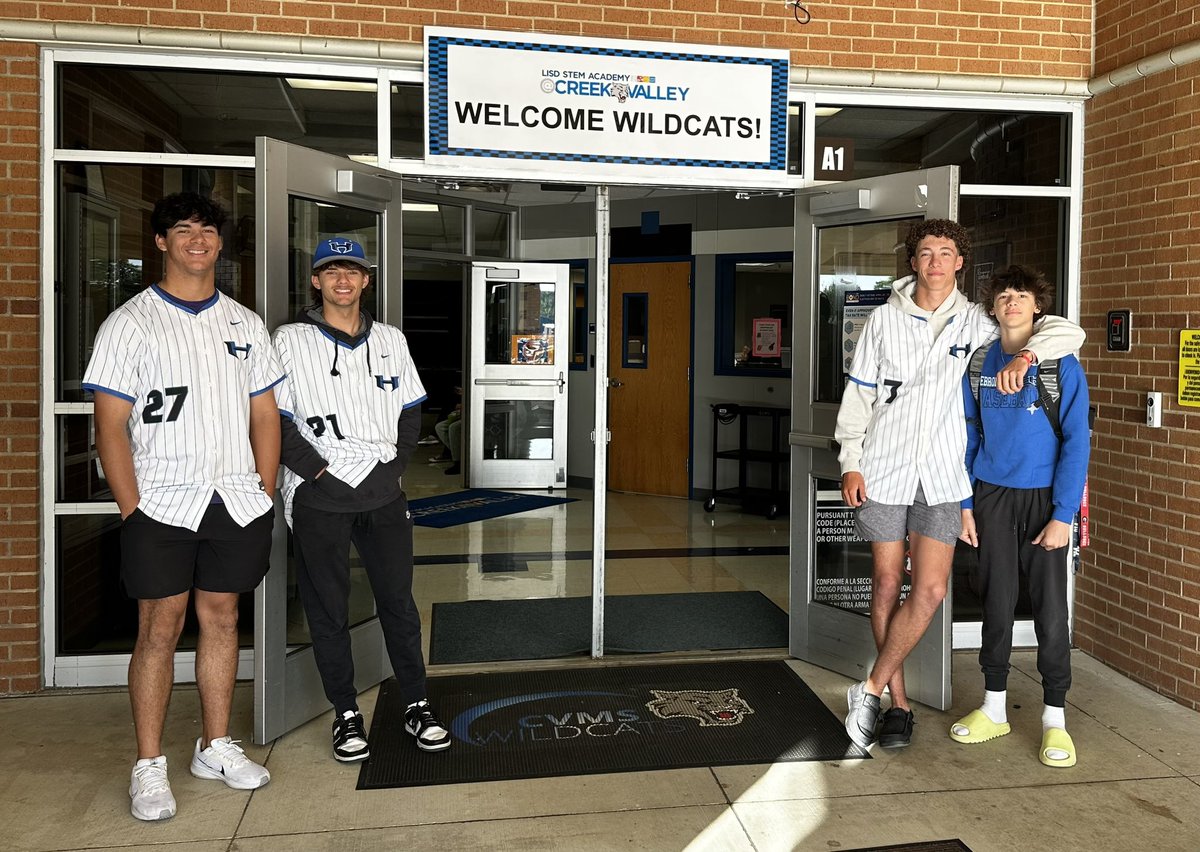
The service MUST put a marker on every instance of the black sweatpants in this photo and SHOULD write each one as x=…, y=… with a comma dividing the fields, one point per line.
x=384, y=540
x=1008, y=520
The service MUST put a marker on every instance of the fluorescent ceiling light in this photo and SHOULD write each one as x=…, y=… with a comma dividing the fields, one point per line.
x=418, y=207
x=332, y=85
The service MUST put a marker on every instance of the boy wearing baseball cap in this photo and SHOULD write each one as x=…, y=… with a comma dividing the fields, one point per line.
x=350, y=410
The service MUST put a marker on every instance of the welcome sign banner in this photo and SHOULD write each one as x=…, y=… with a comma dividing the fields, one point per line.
x=606, y=110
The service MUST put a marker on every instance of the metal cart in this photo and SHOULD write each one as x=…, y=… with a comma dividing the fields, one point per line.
x=770, y=501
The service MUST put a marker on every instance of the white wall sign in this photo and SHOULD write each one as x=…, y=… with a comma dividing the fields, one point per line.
x=605, y=109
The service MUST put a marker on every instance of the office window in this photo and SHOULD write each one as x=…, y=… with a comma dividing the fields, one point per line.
x=753, y=287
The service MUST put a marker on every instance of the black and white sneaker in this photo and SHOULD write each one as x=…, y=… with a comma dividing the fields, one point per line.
x=421, y=723
x=350, y=737
x=897, y=728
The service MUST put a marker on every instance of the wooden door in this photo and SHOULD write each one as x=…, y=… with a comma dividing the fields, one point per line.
x=650, y=344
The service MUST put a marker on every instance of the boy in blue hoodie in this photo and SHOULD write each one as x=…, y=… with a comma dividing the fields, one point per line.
x=1028, y=486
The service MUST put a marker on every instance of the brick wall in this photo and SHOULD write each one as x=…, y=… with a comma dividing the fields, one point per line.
x=1138, y=593
x=1001, y=37
x=1127, y=30
x=20, y=370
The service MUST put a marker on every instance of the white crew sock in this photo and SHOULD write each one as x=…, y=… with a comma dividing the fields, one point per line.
x=995, y=706
x=1053, y=717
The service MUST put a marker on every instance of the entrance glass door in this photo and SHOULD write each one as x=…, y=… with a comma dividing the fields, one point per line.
x=849, y=248
x=517, y=407
x=303, y=197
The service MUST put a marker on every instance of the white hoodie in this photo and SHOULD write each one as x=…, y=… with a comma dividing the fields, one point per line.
x=901, y=421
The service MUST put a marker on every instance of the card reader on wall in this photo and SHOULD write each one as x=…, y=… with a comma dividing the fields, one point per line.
x=1120, y=328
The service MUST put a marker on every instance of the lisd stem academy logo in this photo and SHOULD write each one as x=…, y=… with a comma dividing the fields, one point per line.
x=547, y=718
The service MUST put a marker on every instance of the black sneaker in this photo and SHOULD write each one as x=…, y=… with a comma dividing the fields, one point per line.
x=421, y=723
x=350, y=738
x=864, y=713
x=896, y=731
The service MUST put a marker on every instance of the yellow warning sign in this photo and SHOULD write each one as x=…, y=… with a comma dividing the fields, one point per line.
x=1189, y=367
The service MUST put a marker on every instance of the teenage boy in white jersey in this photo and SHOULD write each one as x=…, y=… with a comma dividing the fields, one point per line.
x=189, y=439
x=351, y=413
x=902, y=439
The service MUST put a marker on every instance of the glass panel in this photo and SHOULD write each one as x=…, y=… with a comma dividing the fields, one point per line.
x=633, y=334
x=579, y=317
x=80, y=477
x=518, y=429
x=519, y=326
x=433, y=325
x=842, y=573
x=433, y=226
x=314, y=221
x=94, y=614
x=1028, y=231
x=491, y=232
x=760, y=289
x=164, y=110
x=856, y=265
x=106, y=249
x=989, y=147
x=408, y=120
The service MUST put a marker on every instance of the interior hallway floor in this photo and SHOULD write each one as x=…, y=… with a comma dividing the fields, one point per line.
x=67, y=757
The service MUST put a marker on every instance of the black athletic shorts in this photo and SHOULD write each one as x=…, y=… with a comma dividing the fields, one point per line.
x=159, y=560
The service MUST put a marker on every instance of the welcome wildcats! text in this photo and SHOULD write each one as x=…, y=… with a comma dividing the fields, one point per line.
x=506, y=115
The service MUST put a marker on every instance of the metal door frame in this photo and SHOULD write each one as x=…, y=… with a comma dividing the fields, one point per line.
x=287, y=688
x=517, y=382
x=830, y=637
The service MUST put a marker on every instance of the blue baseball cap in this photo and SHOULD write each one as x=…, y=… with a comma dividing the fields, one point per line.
x=339, y=249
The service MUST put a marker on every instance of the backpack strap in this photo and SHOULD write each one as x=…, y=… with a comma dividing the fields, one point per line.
x=974, y=369
x=1050, y=394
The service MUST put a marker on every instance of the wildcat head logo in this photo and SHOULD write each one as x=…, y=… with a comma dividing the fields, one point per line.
x=719, y=707
x=621, y=92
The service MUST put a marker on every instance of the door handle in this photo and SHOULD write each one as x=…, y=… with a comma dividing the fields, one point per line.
x=562, y=382
x=616, y=383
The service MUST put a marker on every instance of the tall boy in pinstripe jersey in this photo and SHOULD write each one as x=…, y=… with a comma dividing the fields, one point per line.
x=188, y=435
x=903, y=438
x=351, y=411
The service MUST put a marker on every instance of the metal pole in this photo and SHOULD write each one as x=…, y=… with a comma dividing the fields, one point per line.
x=600, y=435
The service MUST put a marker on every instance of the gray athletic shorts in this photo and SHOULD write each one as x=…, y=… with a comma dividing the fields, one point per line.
x=886, y=522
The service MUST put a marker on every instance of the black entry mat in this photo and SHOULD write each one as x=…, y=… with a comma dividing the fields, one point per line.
x=547, y=628
x=923, y=846
x=619, y=719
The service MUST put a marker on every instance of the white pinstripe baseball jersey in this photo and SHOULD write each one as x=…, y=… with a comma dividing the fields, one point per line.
x=190, y=375
x=901, y=421
x=350, y=418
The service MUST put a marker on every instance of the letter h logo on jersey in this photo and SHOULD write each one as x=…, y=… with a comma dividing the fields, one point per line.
x=234, y=349
x=387, y=383
x=960, y=351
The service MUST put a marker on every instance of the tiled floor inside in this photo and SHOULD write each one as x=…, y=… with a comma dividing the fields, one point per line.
x=67, y=755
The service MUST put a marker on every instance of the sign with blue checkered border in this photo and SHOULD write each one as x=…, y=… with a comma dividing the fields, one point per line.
x=606, y=110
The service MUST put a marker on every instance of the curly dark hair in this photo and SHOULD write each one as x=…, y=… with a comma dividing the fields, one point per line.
x=943, y=228
x=186, y=207
x=1019, y=278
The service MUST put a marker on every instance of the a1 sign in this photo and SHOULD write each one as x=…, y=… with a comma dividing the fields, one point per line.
x=834, y=158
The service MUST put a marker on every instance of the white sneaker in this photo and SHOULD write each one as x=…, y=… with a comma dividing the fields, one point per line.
x=224, y=760
x=150, y=791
